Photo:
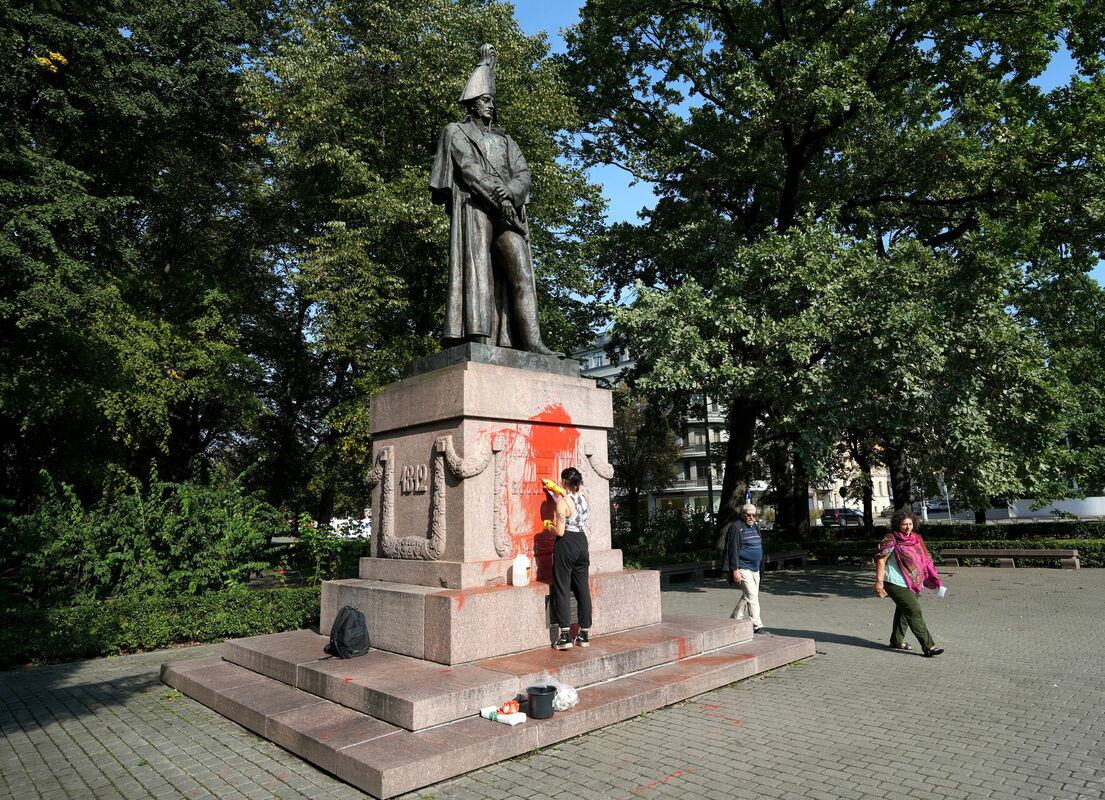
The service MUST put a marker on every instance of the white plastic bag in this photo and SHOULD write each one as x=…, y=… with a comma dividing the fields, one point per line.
x=566, y=696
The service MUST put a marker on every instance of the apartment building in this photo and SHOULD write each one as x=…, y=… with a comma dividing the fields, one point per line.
x=695, y=481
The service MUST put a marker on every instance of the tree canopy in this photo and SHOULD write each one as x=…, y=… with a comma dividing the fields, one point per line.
x=218, y=239
x=873, y=229
x=852, y=196
x=128, y=192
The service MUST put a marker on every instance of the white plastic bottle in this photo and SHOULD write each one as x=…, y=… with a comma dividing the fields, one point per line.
x=519, y=570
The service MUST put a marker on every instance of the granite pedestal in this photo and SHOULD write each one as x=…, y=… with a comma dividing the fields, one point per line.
x=461, y=446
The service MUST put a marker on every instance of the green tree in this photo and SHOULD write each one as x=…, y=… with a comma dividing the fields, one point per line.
x=941, y=378
x=128, y=186
x=1068, y=311
x=643, y=450
x=807, y=154
x=351, y=98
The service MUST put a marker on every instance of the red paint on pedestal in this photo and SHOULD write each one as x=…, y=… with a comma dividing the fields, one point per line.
x=540, y=448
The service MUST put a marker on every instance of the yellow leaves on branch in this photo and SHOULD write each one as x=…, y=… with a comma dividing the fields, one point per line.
x=51, y=60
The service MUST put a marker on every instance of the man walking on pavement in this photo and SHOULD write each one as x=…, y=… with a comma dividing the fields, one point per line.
x=743, y=564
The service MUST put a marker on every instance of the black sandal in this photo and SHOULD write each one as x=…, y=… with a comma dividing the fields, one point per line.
x=933, y=651
x=902, y=646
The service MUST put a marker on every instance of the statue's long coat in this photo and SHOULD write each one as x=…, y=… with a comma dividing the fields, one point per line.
x=462, y=178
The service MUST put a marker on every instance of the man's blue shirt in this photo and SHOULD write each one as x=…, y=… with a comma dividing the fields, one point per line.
x=744, y=548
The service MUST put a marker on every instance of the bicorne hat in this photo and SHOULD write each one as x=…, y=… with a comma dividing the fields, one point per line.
x=482, y=79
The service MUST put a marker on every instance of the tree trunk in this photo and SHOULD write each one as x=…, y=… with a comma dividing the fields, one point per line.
x=798, y=498
x=980, y=516
x=743, y=414
x=328, y=497
x=863, y=461
x=900, y=484
x=633, y=500
x=792, y=488
x=325, y=508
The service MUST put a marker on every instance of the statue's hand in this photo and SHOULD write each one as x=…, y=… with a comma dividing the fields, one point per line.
x=501, y=194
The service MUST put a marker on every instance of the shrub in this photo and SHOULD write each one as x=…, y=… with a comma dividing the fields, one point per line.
x=129, y=624
x=1042, y=529
x=675, y=537
x=1091, y=552
x=663, y=533
x=689, y=557
x=317, y=554
x=167, y=540
x=1037, y=529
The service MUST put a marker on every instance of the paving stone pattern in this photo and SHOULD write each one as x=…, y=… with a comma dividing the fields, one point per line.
x=1015, y=709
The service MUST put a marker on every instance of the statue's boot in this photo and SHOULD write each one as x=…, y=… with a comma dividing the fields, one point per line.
x=529, y=331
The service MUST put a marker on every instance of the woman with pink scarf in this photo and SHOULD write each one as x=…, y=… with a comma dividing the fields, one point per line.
x=903, y=567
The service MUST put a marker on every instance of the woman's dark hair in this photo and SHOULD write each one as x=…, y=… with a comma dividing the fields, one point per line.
x=900, y=517
x=572, y=479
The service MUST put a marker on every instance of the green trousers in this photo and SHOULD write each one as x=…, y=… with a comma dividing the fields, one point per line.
x=907, y=612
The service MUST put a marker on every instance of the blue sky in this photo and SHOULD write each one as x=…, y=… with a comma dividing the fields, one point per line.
x=625, y=200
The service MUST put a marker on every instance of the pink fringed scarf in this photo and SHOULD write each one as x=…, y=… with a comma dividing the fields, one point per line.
x=913, y=560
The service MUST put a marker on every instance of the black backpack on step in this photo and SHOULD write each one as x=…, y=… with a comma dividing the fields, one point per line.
x=349, y=634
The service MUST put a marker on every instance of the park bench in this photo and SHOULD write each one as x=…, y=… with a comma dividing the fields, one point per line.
x=1007, y=558
x=697, y=569
x=780, y=558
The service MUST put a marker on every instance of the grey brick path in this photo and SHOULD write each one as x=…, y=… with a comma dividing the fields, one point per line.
x=1014, y=710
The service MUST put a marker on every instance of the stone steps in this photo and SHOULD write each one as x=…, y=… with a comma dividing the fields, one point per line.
x=619, y=676
x=415, y=694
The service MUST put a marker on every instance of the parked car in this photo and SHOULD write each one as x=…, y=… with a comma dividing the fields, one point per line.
x=939, y=504
x=841, y=516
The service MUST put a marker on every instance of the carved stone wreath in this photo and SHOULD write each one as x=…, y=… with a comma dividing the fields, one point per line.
x=601, y=468
x=383, y=475
x=445, y=454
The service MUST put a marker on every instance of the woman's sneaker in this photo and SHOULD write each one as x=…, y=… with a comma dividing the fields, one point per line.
x=564, y=642
x=583, y=639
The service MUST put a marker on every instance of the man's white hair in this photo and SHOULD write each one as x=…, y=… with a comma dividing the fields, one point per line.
x=748, y=507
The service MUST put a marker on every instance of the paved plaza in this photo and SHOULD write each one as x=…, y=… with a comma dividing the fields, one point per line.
x=1014, y=709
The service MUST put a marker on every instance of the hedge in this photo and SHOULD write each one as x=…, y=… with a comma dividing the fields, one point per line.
x=693, y=556
x=662, y=534
x=1091, y=552
x=37, y=636
x=1019, y=531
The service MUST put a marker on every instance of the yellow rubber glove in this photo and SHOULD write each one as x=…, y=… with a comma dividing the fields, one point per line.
x=554, y=487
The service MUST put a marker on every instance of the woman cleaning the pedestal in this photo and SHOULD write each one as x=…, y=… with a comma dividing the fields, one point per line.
x=903, y=567
x=571, y=561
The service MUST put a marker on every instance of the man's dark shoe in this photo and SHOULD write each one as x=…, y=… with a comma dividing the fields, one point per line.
x=564, y=642
x=583, y=639
x=760, y=629
x=933, y=651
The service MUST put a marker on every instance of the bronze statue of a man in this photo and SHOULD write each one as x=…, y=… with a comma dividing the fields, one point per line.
x=481, y=178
